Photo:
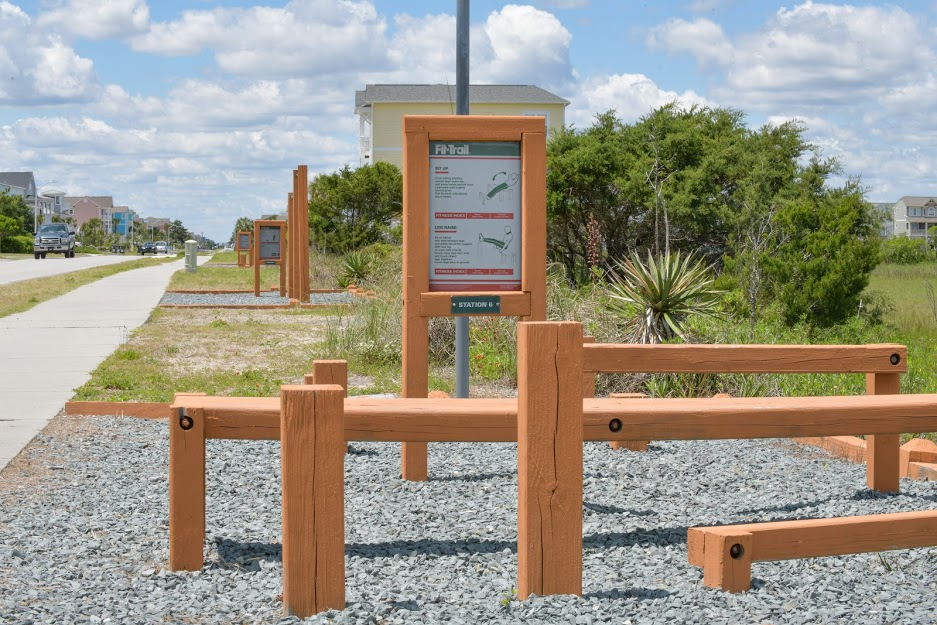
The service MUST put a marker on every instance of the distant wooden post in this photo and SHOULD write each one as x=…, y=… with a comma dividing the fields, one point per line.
x=186, y=489
x=420, y=302
x=291, y=247
x=549, y=458
x=882, y=461
x=312, y=441
x=301, y=200
x=298, y=216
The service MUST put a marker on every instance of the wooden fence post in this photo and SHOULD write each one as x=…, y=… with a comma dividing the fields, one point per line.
x=186, y=488
x=312, y=437
x=882, y=451
x=549, y=458
x=331, y=372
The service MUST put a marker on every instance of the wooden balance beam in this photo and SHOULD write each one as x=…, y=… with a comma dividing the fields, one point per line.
x=495, y=420
x=726, y=552
x=881, y=363
x=549, y=420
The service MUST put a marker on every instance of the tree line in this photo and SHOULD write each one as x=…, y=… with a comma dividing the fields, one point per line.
x=776, y=220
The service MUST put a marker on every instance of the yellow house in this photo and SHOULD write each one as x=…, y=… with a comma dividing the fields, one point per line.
x=381, y=108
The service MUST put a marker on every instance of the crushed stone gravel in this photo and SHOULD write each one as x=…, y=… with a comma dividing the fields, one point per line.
x=84, y=535
x=248, y=299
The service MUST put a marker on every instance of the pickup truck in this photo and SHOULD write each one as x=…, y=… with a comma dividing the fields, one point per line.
x=54, y=238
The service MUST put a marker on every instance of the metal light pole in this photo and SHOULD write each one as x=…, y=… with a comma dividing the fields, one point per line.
x=462, y=108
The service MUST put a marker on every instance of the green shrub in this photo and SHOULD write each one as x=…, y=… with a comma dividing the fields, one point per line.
x=901, y=250
x=19, y=244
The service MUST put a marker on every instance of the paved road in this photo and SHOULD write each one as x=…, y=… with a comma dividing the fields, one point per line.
x=50, y=350
x=15, y=270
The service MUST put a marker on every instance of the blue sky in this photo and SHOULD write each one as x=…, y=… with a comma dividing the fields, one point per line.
x=199, y=110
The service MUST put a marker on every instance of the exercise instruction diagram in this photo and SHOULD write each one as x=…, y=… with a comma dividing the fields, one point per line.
x=475, y=216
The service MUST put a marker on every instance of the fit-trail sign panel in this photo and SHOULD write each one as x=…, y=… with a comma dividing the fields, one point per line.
x=270, y=242
x=475, y=216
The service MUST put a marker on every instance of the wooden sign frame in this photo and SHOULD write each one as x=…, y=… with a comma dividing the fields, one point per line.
x=258, y=260
x=419, y=303
x=244, y=254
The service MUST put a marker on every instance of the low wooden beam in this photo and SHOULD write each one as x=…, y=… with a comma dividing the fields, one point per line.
x=883, y=358
x=729, y=550
x=495, y=420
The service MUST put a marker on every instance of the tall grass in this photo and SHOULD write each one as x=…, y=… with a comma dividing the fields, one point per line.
x=371, y=336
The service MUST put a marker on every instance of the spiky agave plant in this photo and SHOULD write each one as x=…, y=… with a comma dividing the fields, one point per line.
x=666, y=290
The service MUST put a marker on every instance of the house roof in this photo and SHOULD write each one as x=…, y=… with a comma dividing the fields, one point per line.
x=482, y=94
x=917, y=200
x=103, y=201
x=21, y=179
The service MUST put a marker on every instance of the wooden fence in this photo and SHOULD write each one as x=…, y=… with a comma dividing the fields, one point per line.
x=549, y=420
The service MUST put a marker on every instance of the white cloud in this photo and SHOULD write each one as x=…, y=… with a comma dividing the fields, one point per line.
x=304, y=38
x=702, y=38
x=524, y=45
x=630, y=95
x=97, y=19
x=38, y=68
x=812, y=54
x=423, y=49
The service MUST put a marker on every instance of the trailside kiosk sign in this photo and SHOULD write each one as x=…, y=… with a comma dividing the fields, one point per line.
x=475, y=216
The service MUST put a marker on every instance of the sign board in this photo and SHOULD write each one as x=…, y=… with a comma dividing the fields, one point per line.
x=269, y=249
x=244, y=240
x=269, y=241
x=474, y=190
x=475, y=216
x=476, y=305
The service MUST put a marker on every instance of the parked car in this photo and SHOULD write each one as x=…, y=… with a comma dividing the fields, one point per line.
x=162, y=247
x=147, y=248
x=55, y=238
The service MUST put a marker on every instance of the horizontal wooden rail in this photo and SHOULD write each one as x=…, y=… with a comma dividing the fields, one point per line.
x=882, y=358
x=726, y=552
x=495, y=420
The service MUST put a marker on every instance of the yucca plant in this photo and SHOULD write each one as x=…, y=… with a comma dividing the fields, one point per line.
x=358, y=266
x=666, y=290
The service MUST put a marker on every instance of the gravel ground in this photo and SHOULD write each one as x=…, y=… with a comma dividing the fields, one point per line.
x=83, y=535
x=243, y=299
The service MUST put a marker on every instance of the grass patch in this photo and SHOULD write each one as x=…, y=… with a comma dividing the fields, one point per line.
x=223, y=258
x=248, y=353
x=17, y=297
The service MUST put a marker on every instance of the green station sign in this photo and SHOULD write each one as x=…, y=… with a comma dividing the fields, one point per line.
x=476, y=305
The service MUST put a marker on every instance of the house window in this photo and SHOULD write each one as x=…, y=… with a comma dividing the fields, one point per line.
x=931, y=211
x=919, y=227
x=914, y=211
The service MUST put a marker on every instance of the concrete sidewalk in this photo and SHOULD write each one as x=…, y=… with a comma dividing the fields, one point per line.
x=16, y=270
x=50, y=350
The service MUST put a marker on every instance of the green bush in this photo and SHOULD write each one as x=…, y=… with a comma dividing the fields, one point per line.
x=20, y=244
x=901, y=250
